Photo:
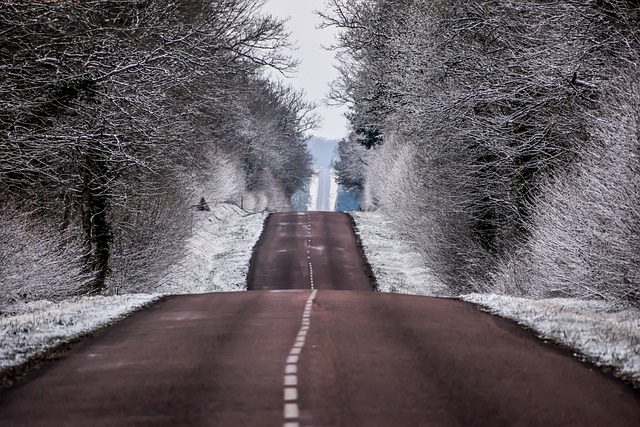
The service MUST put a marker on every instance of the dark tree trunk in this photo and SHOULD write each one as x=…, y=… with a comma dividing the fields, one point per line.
x=97, y=233
x=101, y=241
x=85, y=211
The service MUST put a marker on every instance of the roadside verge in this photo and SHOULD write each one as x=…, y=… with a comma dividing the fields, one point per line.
x=217, y=259
x=603, y=333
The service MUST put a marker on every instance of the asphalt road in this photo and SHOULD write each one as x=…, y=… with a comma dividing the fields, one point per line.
x=316, y=357
x=324, y=190
x=299, y=250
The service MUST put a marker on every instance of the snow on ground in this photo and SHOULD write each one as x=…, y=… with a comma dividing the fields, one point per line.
x=397, y=266
x=218, y=252
x=607, y=334
x=217, y=260
x=603, y=332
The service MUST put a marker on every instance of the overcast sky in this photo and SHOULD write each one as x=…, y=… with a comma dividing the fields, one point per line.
x=316, y=70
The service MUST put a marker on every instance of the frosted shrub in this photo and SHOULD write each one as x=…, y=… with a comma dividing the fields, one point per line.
x=443, y=223
x=149, y=237
x=275, y=193
x=34, y=263
x=255, y=201
x=221, y=178
x=404, y=181
x=584, y=238
x=390, y=178
x=268, y=196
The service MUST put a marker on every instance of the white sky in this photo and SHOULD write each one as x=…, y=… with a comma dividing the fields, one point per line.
x=316, y=70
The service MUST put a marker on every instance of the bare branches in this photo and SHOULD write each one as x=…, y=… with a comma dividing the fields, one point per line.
x=493, y=98
x=108, y=107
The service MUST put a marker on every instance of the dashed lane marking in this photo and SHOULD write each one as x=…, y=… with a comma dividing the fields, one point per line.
x=291, y=410
x=311, y=280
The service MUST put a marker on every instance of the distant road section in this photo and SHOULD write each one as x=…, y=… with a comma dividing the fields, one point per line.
x=324, y=190
x=292, y=356
x=360, y=359
x=305, y=250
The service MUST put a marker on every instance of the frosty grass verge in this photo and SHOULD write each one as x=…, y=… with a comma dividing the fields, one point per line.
x=396, y=265
x=603, y=332
x=217, y=259
x=218, y=254
x=36, y=327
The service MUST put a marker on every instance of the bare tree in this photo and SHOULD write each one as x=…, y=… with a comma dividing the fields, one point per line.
x=494, y=99
x=108, y=107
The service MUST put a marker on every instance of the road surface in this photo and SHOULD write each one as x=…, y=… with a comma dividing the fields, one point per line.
x=316, y=357
x=324, y=190
x=299, y=250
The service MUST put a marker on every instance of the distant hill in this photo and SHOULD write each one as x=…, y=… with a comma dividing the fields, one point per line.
x=322, y=150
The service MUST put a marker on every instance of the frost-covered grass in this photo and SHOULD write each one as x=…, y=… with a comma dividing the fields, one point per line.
x=397, y=266
x=218, y=252
x=217, y=259
x=30, y=329
x=605, y=333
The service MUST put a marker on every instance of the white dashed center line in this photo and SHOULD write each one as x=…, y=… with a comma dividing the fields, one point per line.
x=309, y=252
x=290, y=397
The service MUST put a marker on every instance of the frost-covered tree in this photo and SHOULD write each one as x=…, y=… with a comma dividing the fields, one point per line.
x=493, y=98
x=111, y=112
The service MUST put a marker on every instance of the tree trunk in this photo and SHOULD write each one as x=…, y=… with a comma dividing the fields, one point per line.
x=97, y=235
